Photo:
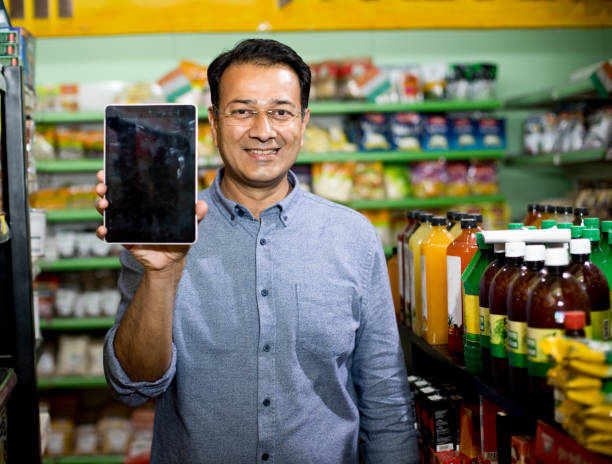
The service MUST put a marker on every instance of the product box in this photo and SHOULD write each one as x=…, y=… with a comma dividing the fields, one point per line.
x=406, y=131
x=374, y=133
x=522, y=449
x=436, y=133
x=490, y=134
x=22, y=45
x=552, y=445
x=463, y=134
x=488, y=429
x=441, y=428
x=469, y=431
x=446, y=457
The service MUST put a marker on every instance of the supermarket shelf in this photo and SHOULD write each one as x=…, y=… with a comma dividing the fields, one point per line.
x=71, y=382
x=331, y=107
x=436, y=202
x=8, y=380
x=558, y=159
x=81, y=264
x=108, y=459
x=77, y=323
x=580, y=90
x=79, y=165
x=400, y=157
x=73, y=215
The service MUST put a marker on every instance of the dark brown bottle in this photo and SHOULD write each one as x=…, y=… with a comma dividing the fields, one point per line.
x=579, y=215
x=594, y=281
x=516, y=302
x=483, y=298
x=554, y=293
x=498, y=313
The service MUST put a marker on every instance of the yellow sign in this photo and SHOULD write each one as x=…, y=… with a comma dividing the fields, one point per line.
x=100, y=17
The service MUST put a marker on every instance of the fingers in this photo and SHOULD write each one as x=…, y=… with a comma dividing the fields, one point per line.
x=101, y=205
x=201, y=209
x=101, y=232
x=100, y=175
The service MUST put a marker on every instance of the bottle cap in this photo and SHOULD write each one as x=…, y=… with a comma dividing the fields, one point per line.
x=535, y=253
x=580, y=246
x=515, y=225
x=548, y=223
x=468, y=223
x=606, y=226
x=565, y=210
x=478, y=217
x=577, y=231
x=499, y=247
x=481, y=243
x=591, y=234
x=550, y=208
x=540, y=208
x=531, y=207
x=438, y=221
x=426, y=217
x=574, y=320
x=591, y=223
x=556, y=257
x=531, y=227
x=564, y=225
x=451, y=214
x=581, y=211
x=515, y=249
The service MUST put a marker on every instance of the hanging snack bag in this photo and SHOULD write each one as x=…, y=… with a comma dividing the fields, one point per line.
x=435, y=133
x=428, y=178
x=458, y=82
x=434, y=80
x=463, y=136
x=325, y=80
x=368, y=181
x=397, y=181
x=482, y=178
x=374, y=134
x=406, y=131
x=491, y=133
x=457, y=179
x=333, y=180
x=410, y=85
x=482, y=85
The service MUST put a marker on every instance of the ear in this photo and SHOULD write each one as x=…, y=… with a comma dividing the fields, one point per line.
x=304, y=124
x=212, y=119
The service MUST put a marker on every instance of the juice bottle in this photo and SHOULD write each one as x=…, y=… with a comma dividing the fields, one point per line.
x=552, y=293
x=579, y=215
x=478, y=218
x=531, y=214
x=402, y=258
x=595, y=284
x=483, y=299
x=498, y=313
x=392, y=269
x=456, y=229
x=433, y=282
x=517, y=320
x=414, y=257
x=540, y=216
x=565, y=214
x=604, y=243
x=471, y=305
x=458, y=255
x=451, y=217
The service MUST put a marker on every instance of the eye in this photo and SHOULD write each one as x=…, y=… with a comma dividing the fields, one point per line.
x=281, y=114
x=240, y=113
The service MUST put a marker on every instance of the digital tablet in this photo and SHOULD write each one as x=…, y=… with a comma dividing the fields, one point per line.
x=150, y=170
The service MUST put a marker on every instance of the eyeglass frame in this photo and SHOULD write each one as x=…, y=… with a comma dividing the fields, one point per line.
x=250, y=120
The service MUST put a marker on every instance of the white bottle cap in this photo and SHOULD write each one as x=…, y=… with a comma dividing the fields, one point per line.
x=527, y=236
x=556, y=257
x=535, y=253
x=580, y=246
x=515, y=249
x=499, y=247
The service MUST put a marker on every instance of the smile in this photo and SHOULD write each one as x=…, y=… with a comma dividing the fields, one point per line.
x=262, y=152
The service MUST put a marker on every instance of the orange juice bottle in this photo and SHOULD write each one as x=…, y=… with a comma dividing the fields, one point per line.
x=433, y=282
x=414, y=258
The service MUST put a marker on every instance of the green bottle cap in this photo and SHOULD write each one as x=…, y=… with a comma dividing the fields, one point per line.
x=548, y=223
x=481, y=243
x=591, y=223
x=606, y=226
x=515, y=225
x=564, y=225
x=531, y=228
x=577, y=231
x=591, y=234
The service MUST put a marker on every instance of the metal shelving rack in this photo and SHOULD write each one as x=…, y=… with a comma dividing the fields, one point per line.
x=17, y=342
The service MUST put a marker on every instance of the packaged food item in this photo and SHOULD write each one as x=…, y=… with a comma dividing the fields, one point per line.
x=405, y=131
x=482, y=178
x=368, y=181
x=462, y=134
x=522, y=449
x=397, y=181
x=434, y=80
x=333, y=180
x=325, y=80
x=599, y=133
x=490, y=133
x=61, y=436
x=410, y=84
x=115, y=434
x=69, y=143
x=458, y=81
x=457, y=178
x=469, y=444
x=570, y=132
x=488, y=429
x=72, y=355
x=435, y=133
x=303, y=173
x=374, y=132
x=533, y=129
x=428, y=178
x=482, y=83
x=85, y=440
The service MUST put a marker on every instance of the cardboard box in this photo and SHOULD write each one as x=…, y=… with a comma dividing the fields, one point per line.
x=552, y=445
x=446, y=457
x=488, y=429
x=23, y=48
x=522, y=449
x=441, y=430
x=469, y=431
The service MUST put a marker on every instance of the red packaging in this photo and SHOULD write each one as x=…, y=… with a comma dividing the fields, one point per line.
x=468, y=460
x=522, y=449
x=552, y=445
x=446, y=457
x=488, y=429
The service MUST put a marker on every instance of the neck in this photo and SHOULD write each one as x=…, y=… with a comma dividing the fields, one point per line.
x=255, y=199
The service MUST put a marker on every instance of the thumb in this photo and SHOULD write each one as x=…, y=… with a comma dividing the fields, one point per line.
x=201, y=209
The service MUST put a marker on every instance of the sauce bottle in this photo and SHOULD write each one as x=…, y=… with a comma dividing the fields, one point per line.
x=402, y=262
x=483, y=297
x=579, y=215
x=565, y=215
x=517, y=320
x=553, y=293
x=433, y=282
x=551, y=212
x=595, y=284
x=604, y=242
x=458, y=255
x=531, y=214
x=414, y=257
x=540, y=216
x=498, y=313
x=471, y=305
x=455, y=231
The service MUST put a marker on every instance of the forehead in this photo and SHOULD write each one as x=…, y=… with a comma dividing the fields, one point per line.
x=261, y=83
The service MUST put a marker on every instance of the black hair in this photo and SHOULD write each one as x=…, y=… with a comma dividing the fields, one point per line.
x=263, y=52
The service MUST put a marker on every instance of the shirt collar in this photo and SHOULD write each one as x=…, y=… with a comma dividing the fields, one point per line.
x=286, y=208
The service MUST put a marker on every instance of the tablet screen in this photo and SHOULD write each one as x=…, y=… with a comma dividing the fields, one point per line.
x=150, y=172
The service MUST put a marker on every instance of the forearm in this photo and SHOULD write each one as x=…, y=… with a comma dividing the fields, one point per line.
x=143, y=343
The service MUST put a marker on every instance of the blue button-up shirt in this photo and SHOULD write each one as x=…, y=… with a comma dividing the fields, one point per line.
x=285, y=346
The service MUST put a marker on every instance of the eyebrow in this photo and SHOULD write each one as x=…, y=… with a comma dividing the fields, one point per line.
x=248, y=101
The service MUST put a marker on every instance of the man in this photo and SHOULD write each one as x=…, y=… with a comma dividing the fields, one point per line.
x=273, y=338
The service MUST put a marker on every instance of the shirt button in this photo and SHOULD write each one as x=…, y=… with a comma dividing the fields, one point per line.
x=285, y=218
x=262, y=241
x=240, y=213
x=266, y=348
x=264, y=292
x=232, y=217
x=265, y=457
x=266, y=402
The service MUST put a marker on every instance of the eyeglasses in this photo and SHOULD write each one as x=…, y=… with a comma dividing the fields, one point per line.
x=246, y=117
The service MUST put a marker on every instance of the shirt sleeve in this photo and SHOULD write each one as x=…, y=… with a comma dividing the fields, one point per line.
x=126, y=390
x=385, y=403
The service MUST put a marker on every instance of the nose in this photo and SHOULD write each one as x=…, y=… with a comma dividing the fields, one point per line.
x=261, y=128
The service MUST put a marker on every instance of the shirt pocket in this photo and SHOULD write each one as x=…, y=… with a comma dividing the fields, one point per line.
x=326, y=325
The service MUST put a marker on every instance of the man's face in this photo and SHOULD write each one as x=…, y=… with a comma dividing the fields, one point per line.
x=260, y=151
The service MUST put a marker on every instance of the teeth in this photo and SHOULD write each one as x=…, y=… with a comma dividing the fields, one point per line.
x=262, y=152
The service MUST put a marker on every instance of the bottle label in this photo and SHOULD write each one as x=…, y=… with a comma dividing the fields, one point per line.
x=400, y=269
x=407, y=273
x=471, y=318
x=517, y=343
x=485, y=328
x=499, y=332
x=537, y=361
x=453, y=282
x=600, y=323
x=424, y=292
x=411, y=283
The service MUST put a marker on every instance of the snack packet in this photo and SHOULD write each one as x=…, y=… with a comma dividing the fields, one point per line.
x=428, y=178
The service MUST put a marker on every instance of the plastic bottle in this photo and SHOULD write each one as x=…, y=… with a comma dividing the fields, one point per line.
x=451, y=217
x=471, y=305
x=455, y=231
x=458, y=255
x=433, y=282
x=579, y=215
x=551, y=212
x=574, y=324
x=540, y=216
x=549, y=223
x=595, y=284
x=392, y=269
x=604, y=242
x=553, y=292
x=565, y=215
x=576, y=231
x=597, y=254
x=483, y=297
x=479, y=220
x=517, y=320
x=414, y=257
x=591, y=223
x=498, y=313
x=402, y=262
x=531, y=214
